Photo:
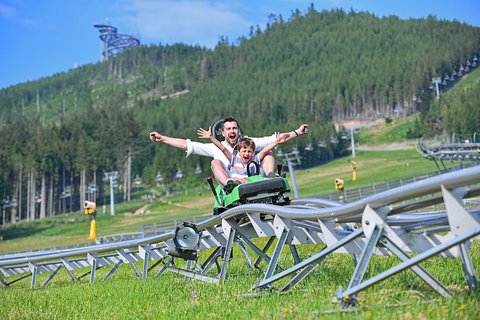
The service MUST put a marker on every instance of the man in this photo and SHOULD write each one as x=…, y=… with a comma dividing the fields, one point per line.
x=230, y=132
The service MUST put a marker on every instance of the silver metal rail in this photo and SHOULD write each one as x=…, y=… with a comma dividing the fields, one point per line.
x=395, y=222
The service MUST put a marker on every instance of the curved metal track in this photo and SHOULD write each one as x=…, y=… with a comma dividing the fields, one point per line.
x=396, y=222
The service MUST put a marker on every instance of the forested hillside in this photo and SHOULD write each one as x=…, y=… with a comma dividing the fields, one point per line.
x=62, y=133
x=457, y=113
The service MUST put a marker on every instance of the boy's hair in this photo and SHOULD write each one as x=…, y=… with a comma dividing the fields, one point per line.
x=245, y=142
x=229, y=119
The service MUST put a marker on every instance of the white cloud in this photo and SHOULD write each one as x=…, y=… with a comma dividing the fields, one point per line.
x=187, y=21
x=12, y=13
x=7, y=11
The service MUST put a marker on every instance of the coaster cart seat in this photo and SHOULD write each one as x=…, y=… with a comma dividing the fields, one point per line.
x=256, y=190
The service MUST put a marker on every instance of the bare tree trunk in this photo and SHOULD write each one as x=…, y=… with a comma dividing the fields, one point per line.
x=127, y=175
x=50, y=197
x=31, y=195
x=83, y=188
x=42, y=196
x=95, y=184
x=13, y=215
x=19, y=201
x=14, y=199
x=29, y=189
x=203, y=68
x=129, y=172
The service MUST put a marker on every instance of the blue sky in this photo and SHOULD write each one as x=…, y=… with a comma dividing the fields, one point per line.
x=43, y=37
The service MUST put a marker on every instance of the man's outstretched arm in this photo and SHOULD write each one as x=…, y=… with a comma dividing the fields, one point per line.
x=303, y=129
x=190, y=147
x=268, y=163
x=265, y=141
x=280, y=139
x=174, y=142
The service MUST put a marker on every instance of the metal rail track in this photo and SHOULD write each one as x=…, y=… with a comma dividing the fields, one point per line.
x=398, y=222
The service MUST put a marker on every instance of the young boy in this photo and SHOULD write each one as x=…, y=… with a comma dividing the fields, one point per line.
x=245, y=148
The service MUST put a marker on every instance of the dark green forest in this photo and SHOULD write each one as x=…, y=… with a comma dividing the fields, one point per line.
x=61, y=134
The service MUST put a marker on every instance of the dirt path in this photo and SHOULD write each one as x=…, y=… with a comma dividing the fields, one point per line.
x=406, y=145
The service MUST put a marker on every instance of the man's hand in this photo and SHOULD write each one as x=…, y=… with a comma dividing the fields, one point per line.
x=155, y=136
x=303, y=129
x=205, y=134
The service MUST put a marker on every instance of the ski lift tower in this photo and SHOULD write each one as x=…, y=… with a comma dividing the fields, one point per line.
x=290, y=160
x=113, y=42
x=435, y=82
x=112, y=178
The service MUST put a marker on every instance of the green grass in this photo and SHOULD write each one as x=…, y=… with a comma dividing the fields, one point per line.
x=372, y=167
x=468, y=81
x=74, y=227
x=388, y=133
x=404, y=296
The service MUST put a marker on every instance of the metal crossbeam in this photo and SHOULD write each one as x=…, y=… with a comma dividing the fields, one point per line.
x=410, y=262
x=394, y=222
x=315, y=259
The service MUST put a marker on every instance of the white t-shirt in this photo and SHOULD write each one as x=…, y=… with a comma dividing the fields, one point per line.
x=210, y=150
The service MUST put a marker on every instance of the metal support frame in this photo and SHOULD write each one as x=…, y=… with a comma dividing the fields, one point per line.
x=34, y=270
x=419, y=270
x=211, y=260
x=276, y=252
x=189, y=267
x=92, y=258
x=128, y=259
x=391, y=221
x=460, y=221
x=263, y=254
x=113, y=270
x=313, y=260
x=226, y=255
x=145, y=265
x=69, y=269
x=188, y=273
x=468, y=269
x=365, y=257
x=245, y=255
x=362, y=265
x=54, y=273
x=6, y=284
x=409, y=263
x=2, y=281
x=301, y=275
x=192, y=275
x=164, y=267
x=155, y=264
x=295, y=255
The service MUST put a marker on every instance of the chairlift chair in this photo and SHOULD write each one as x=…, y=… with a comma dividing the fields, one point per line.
x=179, y=174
